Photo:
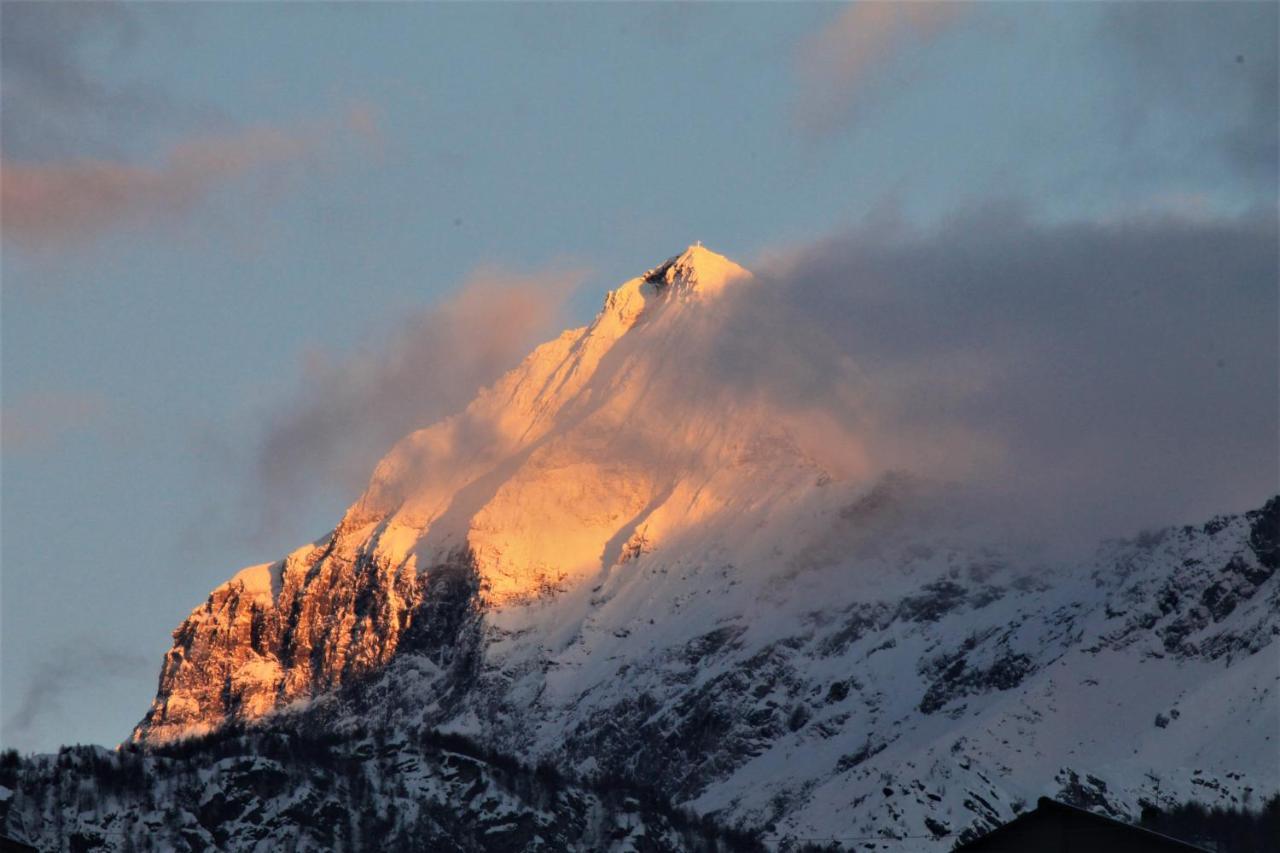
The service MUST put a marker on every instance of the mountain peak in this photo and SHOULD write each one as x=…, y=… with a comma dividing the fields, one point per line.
x=697, y=254
x=694, y=273
x=697, y=268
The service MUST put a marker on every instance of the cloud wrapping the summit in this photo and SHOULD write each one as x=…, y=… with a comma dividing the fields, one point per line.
x=1088, y=378
x=1077, y=380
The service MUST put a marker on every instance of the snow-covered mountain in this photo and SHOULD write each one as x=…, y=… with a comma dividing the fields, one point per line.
x=616, y=562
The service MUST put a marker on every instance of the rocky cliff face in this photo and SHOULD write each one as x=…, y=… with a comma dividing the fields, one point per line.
x=278, y=633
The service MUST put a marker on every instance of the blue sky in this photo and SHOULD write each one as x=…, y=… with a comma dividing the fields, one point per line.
x=204, y=202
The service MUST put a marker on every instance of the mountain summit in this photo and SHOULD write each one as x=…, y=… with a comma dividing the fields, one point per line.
x=696, y=268
x=626, y=560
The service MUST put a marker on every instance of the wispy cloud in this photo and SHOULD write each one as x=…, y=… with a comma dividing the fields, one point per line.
x=848, y=56
x=1203, y=83
x=37, y=421
x=56, y=102
x=62, y=673
x=51, y=204
x=352, y=407
x=65, y=179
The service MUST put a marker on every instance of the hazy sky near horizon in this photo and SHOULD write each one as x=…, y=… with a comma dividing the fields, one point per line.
x=218, y=219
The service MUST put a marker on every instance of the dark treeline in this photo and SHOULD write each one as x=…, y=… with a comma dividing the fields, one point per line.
x=358, y=770
x=1225, y=830
x=360, y=767
x=531, y=782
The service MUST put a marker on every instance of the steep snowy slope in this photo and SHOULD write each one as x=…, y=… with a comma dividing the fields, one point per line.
x=618, y=561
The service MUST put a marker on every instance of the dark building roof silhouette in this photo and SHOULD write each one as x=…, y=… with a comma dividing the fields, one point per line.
x=1056, y=827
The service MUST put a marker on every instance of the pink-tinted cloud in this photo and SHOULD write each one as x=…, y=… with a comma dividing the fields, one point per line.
x=846, y=56
x=63, y=179
x=54, y=204
x=363, y=119
x=36, y=421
